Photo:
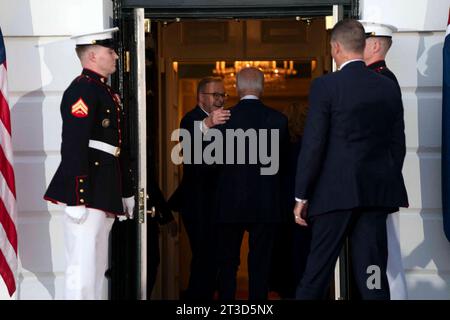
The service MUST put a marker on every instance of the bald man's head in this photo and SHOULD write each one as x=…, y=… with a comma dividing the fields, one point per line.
x=250, y=81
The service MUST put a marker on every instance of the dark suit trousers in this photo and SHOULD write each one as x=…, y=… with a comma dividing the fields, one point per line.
x=366, y=230
x=261, y=236
x=203, y=272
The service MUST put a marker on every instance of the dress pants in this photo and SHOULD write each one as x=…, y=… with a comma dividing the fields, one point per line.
x=395, y=271
x=203, y=268
x=261, y=239
x=86, y=251
x=366, y=230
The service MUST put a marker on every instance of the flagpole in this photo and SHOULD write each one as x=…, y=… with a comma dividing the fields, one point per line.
x=446, y=133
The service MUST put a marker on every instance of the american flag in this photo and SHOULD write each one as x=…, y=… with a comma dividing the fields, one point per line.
x=8, y=213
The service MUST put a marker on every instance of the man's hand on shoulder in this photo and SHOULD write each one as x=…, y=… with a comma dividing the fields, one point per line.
x=216, y=117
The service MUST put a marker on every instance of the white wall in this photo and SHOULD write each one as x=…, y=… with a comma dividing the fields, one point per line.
x=416, y=59
x=407, y=15
x=41, y=64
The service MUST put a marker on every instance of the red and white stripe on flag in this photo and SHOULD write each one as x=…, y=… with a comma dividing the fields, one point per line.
x=8, y=213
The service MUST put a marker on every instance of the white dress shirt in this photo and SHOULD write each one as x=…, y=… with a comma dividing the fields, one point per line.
x=203, y=127
x=250, y=97
x=349, y=61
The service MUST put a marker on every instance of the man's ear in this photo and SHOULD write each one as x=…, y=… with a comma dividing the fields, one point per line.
x=376, y=45
x=336, y=47
x=91, y=55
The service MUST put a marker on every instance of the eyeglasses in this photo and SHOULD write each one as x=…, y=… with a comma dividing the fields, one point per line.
x=217, y=95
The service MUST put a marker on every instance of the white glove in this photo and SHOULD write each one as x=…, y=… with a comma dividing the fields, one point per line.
x=77, y=214
x=128, y=206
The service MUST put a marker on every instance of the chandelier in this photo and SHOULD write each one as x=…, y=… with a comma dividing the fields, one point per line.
x=274, y=73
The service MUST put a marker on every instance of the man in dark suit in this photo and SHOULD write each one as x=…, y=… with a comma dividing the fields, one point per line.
x=349, y=173
x=248, y=196
x=378, y=43
x=195, y=195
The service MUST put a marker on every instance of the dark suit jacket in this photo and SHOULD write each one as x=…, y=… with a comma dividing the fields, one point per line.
x=244, y=195
x=354, y=143
x=194, y=197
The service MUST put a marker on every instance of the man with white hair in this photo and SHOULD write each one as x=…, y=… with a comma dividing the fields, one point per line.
x=93, y=179
x=247, y=199
x=378, y=43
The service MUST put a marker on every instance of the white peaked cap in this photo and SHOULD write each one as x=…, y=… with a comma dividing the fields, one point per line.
x=375, y=29
x=99, y=37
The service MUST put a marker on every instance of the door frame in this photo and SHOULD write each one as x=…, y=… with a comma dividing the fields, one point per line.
x=163, y=9
x=221, y=9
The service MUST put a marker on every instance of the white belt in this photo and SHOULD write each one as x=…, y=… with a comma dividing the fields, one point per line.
x=105, y=147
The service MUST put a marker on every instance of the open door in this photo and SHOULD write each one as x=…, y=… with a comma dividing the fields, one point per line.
x=128, y=270
x=140, y=91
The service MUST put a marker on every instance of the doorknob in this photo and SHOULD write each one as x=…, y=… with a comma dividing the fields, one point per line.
x=152, y=212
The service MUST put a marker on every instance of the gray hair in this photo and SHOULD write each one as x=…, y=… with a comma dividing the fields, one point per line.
x=250, y=80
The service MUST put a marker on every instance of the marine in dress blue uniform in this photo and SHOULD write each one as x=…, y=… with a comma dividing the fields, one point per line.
x=93, y=179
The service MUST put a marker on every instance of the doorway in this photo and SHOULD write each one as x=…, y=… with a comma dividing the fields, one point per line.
x=292, y=52
x=187, y=49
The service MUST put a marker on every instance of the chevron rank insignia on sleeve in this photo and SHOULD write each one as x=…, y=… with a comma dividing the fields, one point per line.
x=80, y=109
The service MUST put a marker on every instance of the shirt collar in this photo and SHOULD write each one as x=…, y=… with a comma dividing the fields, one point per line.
x=249, y=96
x=203, y=110
x=348, y=62
x=94, y=75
